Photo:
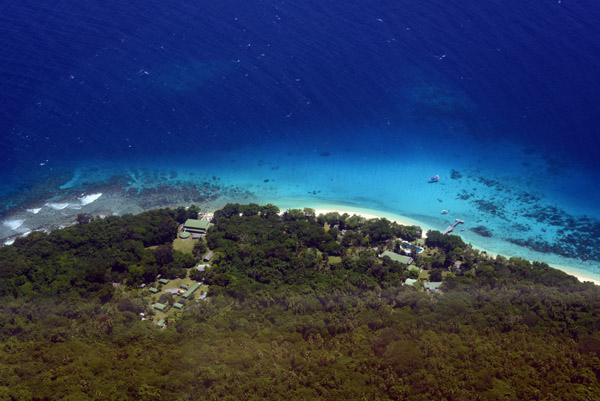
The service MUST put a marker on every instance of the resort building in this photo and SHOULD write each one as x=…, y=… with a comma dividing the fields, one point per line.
x=432, y=286
x=415, y=268
x=189, y=292
x=161, y=323
x=153, y=290
x=163, y=281
x=195, y=226
x=410, y=281
x=396, y=257
x=160, y=307
x=208, y=256
x=177, y=305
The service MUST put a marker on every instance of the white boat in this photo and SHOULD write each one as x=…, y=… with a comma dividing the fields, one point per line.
x=435, y=178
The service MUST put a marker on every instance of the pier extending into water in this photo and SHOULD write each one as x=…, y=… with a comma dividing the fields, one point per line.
x=450, y=228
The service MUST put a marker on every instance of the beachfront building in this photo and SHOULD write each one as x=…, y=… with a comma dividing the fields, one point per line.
x=196, y=226
x=160, y=307
x=190, y=292
x=163, y=281
x=396, y=257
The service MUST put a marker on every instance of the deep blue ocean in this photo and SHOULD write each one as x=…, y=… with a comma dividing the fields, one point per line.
x=350, y=103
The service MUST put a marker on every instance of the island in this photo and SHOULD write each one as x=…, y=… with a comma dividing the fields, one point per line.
x=261, y=303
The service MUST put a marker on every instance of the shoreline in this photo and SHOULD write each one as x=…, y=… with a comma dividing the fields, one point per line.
x=327, y=207
x=100, y=201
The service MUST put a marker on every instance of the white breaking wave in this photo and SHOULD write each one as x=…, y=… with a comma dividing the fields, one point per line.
x=14, y=224
x=86, y=200
x=10, y=241
x=57, y=206
x=34, y=211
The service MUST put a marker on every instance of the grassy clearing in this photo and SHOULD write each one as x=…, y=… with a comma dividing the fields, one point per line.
x=335, y=259
x=184, y=245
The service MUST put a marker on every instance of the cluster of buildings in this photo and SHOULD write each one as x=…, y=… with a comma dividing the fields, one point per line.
x=431, y=286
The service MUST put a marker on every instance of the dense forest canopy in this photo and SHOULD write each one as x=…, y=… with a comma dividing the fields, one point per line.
x=299, y=306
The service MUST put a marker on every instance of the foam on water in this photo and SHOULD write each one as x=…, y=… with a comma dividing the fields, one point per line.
x=13, y=224
x=57, y=206
x=34, y=210
x=87, y=199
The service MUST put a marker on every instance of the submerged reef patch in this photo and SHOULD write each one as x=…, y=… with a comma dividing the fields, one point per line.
x=490, y=208
x=455, y=175
x=483, y=231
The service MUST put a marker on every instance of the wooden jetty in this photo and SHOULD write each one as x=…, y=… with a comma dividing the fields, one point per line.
x=450, y=228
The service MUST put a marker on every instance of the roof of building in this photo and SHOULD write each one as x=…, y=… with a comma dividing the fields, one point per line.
x=208, y=256
x=410, y=281
x=177, y=305
x=184, y=235
x=405, y=260
x=432, y=285
x=153, y=290
x=191, y=290
x=163, y=281
x=195, y=225
x=160, y=306
x=161, y=323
